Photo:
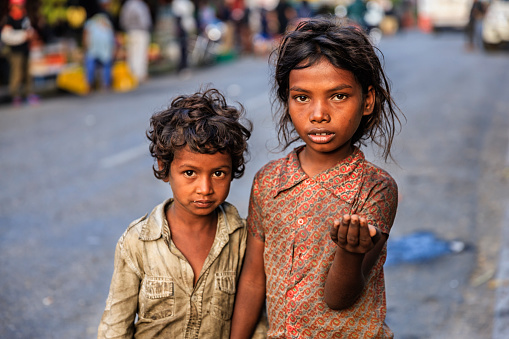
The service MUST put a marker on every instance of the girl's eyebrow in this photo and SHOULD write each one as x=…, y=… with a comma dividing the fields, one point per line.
x=337, y=88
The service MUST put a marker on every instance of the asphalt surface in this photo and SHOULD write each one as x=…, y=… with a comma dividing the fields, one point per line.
x=75, y=171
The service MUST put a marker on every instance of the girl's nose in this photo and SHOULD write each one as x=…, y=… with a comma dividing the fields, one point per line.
x=319, y=113
x=205, y=185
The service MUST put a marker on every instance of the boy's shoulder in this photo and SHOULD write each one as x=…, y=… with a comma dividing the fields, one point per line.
x=148, y=227
x=233, y=219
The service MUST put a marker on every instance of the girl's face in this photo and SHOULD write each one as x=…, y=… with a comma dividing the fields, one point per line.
x=326, y=106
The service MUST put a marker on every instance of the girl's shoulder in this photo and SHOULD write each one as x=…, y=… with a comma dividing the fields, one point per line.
x=275, y=167
x=378, y=175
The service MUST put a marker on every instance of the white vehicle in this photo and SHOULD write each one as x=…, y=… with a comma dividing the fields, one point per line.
x=445, y=13
x=495, y=29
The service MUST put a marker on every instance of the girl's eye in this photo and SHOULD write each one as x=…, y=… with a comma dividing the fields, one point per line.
x=301, y=98
x=188, y=173
x=339, y=97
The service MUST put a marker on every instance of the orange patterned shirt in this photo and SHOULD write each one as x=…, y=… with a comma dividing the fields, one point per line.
x=292, y=213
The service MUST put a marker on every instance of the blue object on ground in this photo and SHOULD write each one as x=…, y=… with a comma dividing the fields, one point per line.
x=419, y=247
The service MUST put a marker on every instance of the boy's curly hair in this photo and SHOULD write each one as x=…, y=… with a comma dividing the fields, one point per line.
x=205, y=123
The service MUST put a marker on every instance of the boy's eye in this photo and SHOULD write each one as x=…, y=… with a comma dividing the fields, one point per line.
x=188, y=173
x=219, y=174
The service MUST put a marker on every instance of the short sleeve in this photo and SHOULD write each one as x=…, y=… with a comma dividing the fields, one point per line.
x=380, y=202
x=255, y=215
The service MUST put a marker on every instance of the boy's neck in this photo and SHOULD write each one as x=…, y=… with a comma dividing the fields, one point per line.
x=193, y=236
x=185, y=222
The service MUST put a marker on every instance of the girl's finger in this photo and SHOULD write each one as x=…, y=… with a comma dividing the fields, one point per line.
x=343, y=229
x=364, y=235
x=334, y=231
x=372, y=230
x=376, y=235
x=353, y=231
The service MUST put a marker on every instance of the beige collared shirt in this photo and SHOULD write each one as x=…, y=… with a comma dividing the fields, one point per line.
x=152, y=293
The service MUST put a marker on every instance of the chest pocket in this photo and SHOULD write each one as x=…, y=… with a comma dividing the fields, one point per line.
x=224, y=295
x=157, y=299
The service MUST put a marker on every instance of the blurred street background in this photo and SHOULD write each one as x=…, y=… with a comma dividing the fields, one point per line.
x=75, y=167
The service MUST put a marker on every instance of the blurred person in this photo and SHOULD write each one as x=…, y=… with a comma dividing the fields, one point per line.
x=176, y=269
x=182, y=38
x=206, y=15
x=135, y=19
x=285, y=14
x=99, y=46
x=239, y=18
x=16, y=34
x=356, y=11
x=305, y=10
x=185, y=23
x=474, y=26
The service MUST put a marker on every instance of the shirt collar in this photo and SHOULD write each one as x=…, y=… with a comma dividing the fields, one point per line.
x=343, y=180
x=228, y=221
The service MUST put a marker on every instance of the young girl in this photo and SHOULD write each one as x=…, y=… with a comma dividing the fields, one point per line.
x=319, y=218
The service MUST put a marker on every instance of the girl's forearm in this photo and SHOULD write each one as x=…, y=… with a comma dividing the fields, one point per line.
x=248, y=306
x=345, y=280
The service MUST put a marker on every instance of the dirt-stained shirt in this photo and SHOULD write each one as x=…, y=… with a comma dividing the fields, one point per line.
x=152, y=293
x=292, y=213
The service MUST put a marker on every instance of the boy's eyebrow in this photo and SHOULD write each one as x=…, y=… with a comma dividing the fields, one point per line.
x=337, y=88
x=195, y=167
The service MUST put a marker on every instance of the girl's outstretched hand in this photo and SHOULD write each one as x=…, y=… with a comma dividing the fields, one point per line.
x=353, y=234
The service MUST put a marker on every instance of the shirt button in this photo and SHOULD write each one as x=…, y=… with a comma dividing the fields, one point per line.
x=194, y=299
x=300, y=221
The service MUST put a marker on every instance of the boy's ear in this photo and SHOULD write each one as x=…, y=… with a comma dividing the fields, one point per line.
x=161, y=166
x=369, y=101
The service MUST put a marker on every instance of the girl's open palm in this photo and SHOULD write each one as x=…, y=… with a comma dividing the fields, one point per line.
x=353, y=234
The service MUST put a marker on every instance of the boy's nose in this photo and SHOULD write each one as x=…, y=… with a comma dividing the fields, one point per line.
x=205, y=186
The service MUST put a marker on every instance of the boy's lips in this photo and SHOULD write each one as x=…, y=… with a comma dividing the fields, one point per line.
x=321, y=137
x=203, y=203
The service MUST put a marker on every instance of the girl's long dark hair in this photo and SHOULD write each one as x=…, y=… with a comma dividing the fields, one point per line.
x=344, y=46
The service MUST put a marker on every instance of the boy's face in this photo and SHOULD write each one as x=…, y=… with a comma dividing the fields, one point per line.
x=200, y=182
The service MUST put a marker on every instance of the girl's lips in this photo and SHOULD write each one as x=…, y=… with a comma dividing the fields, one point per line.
x=321, y=137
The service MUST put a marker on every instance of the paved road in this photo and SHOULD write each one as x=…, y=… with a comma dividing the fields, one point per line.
x=76, y=171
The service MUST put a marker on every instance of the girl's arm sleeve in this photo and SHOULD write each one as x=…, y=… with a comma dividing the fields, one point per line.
x=122, y=303
x=255, y=215
x=381, y=205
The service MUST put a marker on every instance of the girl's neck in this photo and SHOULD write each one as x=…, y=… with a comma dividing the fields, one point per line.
x=314, y=163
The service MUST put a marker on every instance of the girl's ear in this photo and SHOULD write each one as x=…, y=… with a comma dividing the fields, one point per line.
x=369, y=101
x=161, y=166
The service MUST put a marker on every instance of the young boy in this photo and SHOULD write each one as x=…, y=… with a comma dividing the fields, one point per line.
x=176, y=269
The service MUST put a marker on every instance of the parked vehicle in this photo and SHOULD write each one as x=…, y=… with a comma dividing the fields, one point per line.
x=440, y=14
x=496, y=24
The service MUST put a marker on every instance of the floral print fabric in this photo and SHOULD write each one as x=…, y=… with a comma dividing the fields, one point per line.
x=292, y=213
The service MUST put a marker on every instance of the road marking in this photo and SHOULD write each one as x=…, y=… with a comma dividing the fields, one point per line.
x=124, y=156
